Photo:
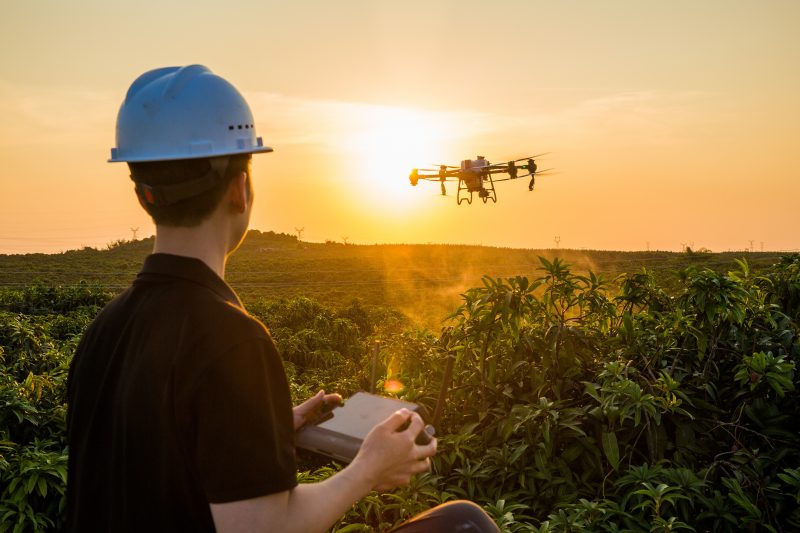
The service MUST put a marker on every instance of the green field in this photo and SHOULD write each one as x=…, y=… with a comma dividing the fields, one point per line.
x=423, y=281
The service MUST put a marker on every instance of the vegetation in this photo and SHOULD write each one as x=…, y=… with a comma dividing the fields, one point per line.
x=275, y=265
x=39, y=330
x=577, y=403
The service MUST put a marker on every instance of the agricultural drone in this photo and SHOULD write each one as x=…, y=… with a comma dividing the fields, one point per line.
x=475, y=176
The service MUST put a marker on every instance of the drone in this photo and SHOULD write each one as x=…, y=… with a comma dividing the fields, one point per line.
x=475, y=176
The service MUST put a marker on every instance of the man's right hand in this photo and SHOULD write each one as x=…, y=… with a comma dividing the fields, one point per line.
x=389, y=457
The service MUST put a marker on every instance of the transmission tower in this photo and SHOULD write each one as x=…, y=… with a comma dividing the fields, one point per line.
x=752, y=249
x=557, y=239
x=300, y=233
x=134, y=230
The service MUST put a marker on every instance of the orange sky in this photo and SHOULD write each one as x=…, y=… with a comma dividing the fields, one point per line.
x=668, y=122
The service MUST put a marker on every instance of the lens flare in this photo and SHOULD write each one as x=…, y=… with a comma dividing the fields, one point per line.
x=394, y=386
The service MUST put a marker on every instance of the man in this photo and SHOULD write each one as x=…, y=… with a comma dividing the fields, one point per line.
x=179, y=413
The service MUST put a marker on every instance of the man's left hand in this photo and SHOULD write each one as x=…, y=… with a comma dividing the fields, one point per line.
x=309, y=409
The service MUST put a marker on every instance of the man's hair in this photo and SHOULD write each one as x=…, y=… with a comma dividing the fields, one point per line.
x=194, y=209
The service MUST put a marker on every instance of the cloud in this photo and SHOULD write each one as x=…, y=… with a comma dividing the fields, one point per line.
x=47, y=115
x=650, y=117
x=655, y=118
x=334, y=124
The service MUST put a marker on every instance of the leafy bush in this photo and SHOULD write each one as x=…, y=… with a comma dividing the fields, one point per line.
x=576, y=404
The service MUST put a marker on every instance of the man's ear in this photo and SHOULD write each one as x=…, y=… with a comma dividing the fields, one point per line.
x=141, y=200
x=237, y=193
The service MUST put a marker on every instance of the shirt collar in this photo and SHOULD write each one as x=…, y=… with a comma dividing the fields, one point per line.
x=190, y=269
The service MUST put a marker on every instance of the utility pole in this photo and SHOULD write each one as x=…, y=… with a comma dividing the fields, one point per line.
x=557, y=238
x=134, y=230
x=300, y=233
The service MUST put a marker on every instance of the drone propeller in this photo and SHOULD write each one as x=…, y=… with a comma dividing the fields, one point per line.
x=505, y=164
x=542, y=173
x=529, y=157
x=437, y=178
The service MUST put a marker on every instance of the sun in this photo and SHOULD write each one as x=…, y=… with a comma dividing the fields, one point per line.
x=385, y=145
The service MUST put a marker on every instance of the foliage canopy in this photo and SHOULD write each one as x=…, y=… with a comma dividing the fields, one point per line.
x=576, y=404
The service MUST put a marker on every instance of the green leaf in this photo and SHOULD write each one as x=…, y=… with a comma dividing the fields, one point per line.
x=352, y=528
x=611, y=448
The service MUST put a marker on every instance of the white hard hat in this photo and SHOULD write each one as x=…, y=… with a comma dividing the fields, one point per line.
x=183, y=113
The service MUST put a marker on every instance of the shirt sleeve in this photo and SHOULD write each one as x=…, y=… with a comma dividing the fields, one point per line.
x=244, y=444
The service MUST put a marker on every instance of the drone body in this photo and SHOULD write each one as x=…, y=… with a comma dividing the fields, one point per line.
x=475, y=176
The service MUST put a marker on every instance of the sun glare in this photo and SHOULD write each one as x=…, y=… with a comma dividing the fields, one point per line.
x=387, y=144
x=394, y=386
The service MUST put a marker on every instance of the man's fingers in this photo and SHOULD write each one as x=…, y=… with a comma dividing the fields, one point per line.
x=332, y=398
x=394, y=421
x=421, y=466
x=428, y=450
x=314, y=400
x=416, y=424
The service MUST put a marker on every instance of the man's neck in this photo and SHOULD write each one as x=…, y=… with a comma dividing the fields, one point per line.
x=208, y=246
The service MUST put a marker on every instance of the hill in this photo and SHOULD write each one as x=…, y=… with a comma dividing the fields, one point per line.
x=423, y=281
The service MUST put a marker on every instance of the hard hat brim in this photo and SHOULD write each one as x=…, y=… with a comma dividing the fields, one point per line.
x=176, y=157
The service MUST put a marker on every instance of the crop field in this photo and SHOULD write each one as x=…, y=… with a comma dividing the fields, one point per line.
x=587, y=394
x=423, y=281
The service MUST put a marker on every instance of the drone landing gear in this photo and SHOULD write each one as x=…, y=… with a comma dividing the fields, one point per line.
x=487, y=193
x=463, y=187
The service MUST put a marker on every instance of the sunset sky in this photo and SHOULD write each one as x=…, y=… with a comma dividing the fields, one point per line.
x=668, y=123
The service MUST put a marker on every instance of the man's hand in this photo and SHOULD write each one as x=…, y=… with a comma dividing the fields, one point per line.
x=309, y=409
x=389, y=457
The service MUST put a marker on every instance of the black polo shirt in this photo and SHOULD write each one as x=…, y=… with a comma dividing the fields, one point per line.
x=177, y=399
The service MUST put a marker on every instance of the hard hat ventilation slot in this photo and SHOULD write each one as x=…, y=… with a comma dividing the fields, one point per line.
x=241, y=126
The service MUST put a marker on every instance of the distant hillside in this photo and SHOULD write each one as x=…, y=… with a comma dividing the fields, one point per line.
x=423, y=281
